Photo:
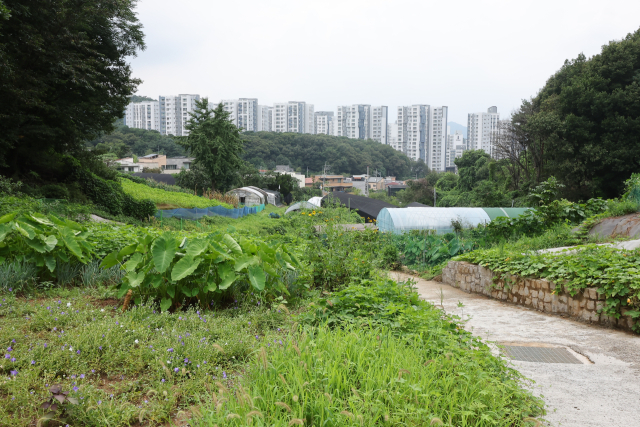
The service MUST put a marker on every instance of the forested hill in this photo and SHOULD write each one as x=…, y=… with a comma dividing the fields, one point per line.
x=343, y=155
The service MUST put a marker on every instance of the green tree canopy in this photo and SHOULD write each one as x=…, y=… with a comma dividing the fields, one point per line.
x=63, y=75
x=215, y=143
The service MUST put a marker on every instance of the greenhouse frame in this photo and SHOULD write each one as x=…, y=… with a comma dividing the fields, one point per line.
x=439, y=220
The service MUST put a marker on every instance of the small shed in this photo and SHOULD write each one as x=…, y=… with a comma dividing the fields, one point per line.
x=393, y=189
x=249, y=196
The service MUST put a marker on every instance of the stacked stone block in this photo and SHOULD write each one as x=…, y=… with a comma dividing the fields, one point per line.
x=539, y=294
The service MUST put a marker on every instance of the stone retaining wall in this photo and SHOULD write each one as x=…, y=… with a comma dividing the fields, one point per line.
x=535, y=293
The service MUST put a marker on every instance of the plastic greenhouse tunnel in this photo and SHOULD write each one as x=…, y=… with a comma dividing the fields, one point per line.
x=399, y=220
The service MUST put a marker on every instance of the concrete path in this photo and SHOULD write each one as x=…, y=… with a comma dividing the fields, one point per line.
x=602, y=393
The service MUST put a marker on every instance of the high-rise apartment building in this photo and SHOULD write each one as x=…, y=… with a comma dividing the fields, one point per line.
x=436, y=149
x=244, y=113
x=174, y=113
x=413, y=126
x=456, y=145
x=393, y=136
x=143, y=115
x=324, y=122
x=362, y=121
x=265, y=118
x=380, y=124
x=481, y=129
x=293, y=116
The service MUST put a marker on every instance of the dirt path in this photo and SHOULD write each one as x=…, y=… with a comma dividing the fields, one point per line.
x=603, y=393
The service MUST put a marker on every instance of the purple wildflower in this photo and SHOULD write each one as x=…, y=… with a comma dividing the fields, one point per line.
x=14, y=373
x=75, y=389
x=176, y=369
x=224, y=375
x=33, y=362
x=170, y=350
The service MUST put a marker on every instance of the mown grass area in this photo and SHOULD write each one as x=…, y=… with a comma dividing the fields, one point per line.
x=168, y=199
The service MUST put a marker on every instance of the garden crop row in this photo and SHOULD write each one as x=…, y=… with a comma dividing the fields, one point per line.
x=162, y=197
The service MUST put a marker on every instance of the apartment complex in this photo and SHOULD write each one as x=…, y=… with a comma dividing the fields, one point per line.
x=143, y=115
x=324, y=122
x=174, y=113
x=265, y=117
x=481, y=129
x=293, y=116
x=362, y=121
x=436, y=149
x=244, y=113
x=412, y=130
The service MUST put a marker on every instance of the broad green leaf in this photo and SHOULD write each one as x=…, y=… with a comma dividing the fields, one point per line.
x=196, y=247
x=4, y=230
x=232, y=244
x=269, y=269
x=127, y=250
x=70, y=242
x=245, y=261
x=134, y=279
x=247, y=246
x=165, y=304
x=110, y=260
x=212, y=286
x=185, y=267
x=155, y=280
x=123, y=290
x=39, y=218
x=25, y=229
x=50, y=262
x=227, y=281
x=171, y=290
x=36, y=244
x=217, y=247
x=50, y=242
x=133, y=262
x=227, y=276
x=257, y=277
x=163, y=252
x=183, y=242
x=2, y=259
x=266, y=257
x=7, y=217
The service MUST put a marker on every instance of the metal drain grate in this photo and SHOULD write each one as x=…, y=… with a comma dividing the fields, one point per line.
x=540, y=354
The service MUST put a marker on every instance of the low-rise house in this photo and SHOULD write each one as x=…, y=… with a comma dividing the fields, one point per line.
x=176, y=164
x=333, y=182
x=126, y=166
x=153, y=161
x=376, y=183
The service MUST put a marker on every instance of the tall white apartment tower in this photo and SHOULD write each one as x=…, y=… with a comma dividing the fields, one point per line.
x=265, y=118
x=393, y=136
x=174, y=113
x=436, y=153
x=413, y=128
x=143, y=115
x=362, y=121
x=324, y=122
x=481, y=127
x=293, y=116
x=380, y=124
x=244, y=112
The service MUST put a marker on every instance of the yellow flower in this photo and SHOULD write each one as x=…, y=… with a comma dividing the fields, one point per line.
x=628, y=300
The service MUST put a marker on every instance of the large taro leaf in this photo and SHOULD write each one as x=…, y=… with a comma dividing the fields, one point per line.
x=163, y=252
x=165, y=304
x=69, y=239
x=244, y=261
x=127, y=250
x=227, y=275
x=133, y=262
x=4, y=230
x=196, y=247
x=110, y=260
x=134, y=279
x=185, y=267
x=257, y=277
x=231, y=244
x=41, y=219
x=36, y=244
x=7, y=217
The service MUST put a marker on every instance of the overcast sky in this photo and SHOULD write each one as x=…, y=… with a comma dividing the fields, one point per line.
x=467, y=55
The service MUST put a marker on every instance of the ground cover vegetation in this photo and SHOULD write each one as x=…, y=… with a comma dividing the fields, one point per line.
x=168, y=199
x=201, y=356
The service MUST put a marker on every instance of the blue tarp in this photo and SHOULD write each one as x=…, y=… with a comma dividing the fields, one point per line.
x=196, y=213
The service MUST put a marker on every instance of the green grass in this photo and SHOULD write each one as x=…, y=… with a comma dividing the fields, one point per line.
x=390, y=359
x=168, y=199
x=118, y=365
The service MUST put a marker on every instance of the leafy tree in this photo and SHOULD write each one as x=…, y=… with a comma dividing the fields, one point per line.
x=215, y=143
x=139, y=142
x=64, y=76
x=470, y=168
x=583, y=127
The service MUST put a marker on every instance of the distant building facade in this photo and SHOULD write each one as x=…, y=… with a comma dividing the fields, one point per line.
x=174, y=113
x=436, y=150
x=293, y=116
x=324, y=123
x=143, y=115
x=481, y=129
x=244, y=113
x=265, y=117
x=456, y=145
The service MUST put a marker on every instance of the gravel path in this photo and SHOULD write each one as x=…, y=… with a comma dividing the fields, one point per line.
x=603, y=392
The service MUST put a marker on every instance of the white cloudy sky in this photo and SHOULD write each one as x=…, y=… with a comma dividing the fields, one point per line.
x=467, y=55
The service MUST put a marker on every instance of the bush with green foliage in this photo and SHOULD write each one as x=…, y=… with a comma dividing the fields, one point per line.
x=159, y=196
x=173, y=271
